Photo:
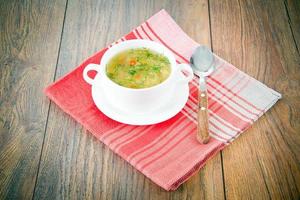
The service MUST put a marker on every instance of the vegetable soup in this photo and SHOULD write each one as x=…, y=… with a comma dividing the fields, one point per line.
x=138, y=68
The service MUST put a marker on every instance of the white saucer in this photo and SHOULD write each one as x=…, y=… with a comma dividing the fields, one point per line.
x=174, y=106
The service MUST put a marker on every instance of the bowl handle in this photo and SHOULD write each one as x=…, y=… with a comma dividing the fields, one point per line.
x=90, y=67
x=186, y=77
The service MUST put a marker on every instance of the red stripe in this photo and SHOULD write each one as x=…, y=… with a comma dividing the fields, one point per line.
x=213, y=133
x=168, y=150
x=219, y=129
x=188, y=112
x=223, y=123
x=228, y=81
x=194, y=94
x=195, y=103
x=148, y=25
x=211, y=123
x=120, y=127
x=188, y=116
x=234, y=95
x=192, y=107
x=231, y=98
x=217, y=120
x=192, y=100
x=146, y=32
x=226, y=102
x=159, y=130
x=163, y=145
x=229, y=106
x=139, y=35
x=189, y=106
x=165, y=134
x=140, y=132
x=137, y=32
x=230, y=117
x=130, y=36
x=121, y=135
x=247, y=102
x=218, y=108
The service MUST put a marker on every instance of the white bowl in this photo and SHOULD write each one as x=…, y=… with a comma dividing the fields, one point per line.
x=138, y=100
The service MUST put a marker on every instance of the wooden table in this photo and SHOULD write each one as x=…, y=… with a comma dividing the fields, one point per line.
x=45, y=154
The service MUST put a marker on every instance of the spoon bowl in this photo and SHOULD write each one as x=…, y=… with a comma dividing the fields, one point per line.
x=202, y=61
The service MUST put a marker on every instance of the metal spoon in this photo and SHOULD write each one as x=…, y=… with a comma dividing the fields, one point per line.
x=202, y=63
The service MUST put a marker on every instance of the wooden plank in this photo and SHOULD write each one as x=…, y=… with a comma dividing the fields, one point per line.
x=293, y=8
x=255, y=36
x=29, y=43
x=74, y=164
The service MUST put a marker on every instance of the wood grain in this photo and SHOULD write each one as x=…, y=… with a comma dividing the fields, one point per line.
x=29, y=42
x=74, y=164
x=292, y=10
x=256, y=36
x=202, y=132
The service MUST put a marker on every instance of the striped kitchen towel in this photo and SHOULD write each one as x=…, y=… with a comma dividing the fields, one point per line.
x=168, y=153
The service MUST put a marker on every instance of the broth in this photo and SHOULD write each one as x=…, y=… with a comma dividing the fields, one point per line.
x=138, y=68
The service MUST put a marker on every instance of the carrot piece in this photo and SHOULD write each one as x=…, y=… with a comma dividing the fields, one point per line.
x=137, y=77
x=132, y=62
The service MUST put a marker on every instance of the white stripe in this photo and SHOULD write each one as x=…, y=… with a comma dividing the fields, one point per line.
x=225, y=122
x=154, y=38
x=221, y=98
x=194, y=115
x=124, y=142
x=149, y=32
x=191, y=110
x=135, y=34
x=217, y=138
x=214, y=115
x=188, y=116
x=174, y=135
x=141, y=32
x=231, y=110
x=222, y=127
x=225, y=105
x=180, y=120
x=161, y=147
x=219, y=133
x=111, y=131
x=117, y=134
x=226, y=82
x=192, y=103
x=259, y=95
x=219, y=68
x=242, y=103
x=127, y=135
x=218, y=124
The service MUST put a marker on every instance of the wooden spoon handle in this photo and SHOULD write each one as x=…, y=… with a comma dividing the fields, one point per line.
x=202, y=133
